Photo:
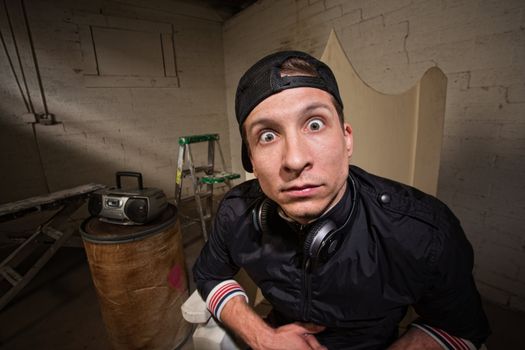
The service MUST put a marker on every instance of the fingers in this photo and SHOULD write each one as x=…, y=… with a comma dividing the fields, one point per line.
x=303, y=333
x=311, y=327
x=309, y=336
x=312, y=342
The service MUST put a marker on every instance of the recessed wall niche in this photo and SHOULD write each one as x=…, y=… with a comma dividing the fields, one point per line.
x=126, y=52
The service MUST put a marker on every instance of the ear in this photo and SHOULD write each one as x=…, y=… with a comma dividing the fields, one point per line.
x=349, y=139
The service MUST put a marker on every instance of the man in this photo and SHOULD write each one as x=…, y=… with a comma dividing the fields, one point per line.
x=339, y=253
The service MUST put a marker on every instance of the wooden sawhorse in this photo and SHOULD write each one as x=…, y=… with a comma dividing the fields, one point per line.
x=54, y=233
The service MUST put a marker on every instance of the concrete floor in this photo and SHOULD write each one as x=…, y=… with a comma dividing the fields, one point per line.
x=59, y=308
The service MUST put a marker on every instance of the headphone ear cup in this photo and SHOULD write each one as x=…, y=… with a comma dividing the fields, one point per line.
x=316, y=237
x=314, y=230
x=261, y=214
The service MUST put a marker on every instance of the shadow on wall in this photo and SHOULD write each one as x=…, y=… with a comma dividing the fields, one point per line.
x=38, y=159
x=24, y=155
x=22, y=175
x=126, y=121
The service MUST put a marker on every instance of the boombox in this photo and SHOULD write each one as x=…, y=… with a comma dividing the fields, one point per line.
x=127, y=207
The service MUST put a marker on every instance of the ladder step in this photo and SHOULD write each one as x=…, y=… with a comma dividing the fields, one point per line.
x=203, y=177
x=198, y=169
x=185, y=140
x=10, y=275
x=202, y=195
x=219, y=178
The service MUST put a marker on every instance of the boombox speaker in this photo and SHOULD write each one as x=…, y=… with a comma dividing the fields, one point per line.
x=127, y=207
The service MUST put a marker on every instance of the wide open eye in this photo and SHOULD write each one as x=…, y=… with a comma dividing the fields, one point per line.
x=267, y=137
x=315, y=124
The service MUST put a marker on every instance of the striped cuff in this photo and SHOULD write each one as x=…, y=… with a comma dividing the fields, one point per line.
x=220, y=295
x=444, y=339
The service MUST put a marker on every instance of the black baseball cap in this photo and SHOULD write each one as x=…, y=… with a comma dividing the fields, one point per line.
x=264, y=79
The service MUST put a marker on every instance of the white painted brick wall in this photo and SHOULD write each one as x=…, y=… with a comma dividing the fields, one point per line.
x=480, y=45
x=104, y=130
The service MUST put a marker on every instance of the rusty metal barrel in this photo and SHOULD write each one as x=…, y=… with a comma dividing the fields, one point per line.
x=140, y=279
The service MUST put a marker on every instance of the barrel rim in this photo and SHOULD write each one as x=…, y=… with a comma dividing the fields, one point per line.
x=137, y=236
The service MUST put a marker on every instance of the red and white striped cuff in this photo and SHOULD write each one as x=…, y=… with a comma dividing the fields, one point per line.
x=221, y=294
x=447, y=341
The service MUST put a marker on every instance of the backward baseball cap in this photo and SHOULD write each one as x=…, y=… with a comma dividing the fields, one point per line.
x=264, y=79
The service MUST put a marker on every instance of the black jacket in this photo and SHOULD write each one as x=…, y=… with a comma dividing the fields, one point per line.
x=401, y=247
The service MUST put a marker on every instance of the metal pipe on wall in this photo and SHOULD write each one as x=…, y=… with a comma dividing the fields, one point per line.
x=35, y=62
x=15, y=44
x=11, y=65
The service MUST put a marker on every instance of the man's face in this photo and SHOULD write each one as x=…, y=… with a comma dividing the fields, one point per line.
x=299, y=151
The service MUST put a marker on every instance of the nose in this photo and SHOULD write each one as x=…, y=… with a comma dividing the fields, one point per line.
x=297, y=156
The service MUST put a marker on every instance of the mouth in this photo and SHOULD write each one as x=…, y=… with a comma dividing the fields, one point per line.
x=304, y=190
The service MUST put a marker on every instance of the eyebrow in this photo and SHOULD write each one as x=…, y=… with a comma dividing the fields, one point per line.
x=269, y=121
x=315, y=105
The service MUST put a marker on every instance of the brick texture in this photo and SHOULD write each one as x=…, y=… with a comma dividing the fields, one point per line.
x=103, y=130
x=480, y=45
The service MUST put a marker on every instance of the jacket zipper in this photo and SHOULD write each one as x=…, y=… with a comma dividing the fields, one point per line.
x=307, y=293
x=307, y=280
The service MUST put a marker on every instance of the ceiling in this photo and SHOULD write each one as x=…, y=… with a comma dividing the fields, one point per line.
x=224, y=8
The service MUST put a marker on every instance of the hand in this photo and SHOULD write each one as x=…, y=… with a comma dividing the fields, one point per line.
x=241, y=318
x=293, y=336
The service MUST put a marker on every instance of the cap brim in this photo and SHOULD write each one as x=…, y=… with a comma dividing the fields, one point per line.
x=246, y=162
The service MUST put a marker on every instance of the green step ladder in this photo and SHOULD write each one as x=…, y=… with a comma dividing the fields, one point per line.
x=203, y=177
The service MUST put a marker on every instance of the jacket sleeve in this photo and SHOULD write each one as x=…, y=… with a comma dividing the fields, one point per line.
x=451, y=304
x=214, y=269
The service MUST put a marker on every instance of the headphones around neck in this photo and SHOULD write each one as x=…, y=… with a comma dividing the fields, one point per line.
x=323, y=238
